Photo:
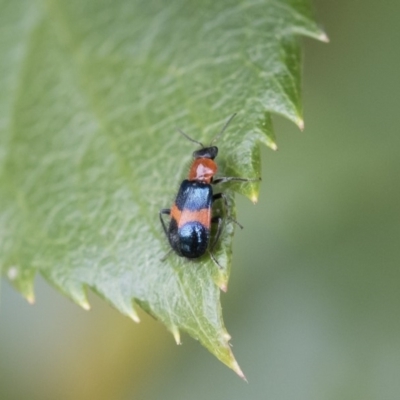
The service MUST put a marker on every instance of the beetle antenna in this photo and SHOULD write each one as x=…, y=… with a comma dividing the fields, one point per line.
x=189, y=138
x=223, y=128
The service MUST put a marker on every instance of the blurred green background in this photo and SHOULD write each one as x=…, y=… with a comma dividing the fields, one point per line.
x=314, y=297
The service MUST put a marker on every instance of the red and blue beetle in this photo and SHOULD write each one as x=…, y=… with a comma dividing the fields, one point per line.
x=189, y=230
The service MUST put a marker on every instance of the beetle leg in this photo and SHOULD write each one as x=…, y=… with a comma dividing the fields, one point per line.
x=224, y=179
x=216, y=220
x=215, y=260
x=225, y=200
x=166, y=255
x=164, y=211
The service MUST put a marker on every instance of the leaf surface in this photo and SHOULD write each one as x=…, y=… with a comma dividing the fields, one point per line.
x=92, y=94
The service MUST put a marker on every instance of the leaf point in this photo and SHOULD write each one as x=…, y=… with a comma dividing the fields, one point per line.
x=237, y=369
x=26, y=288
x=176, y=334
x=323, y=37
x=30, y=298
x=134, y=316
x=85, y=305
x=223, y=286
x=79, y=295
x=300, y=123
x=222, y=280
x=273, y=146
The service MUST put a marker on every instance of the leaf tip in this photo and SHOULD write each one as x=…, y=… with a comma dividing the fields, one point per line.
x=252, y=190
x=222, y=281
x=323, y=37
x=30, y=298
x=254, y=198
x=84, y=304
x=229, y=358
x=24, y=284
x=273, y=146
x=223, y=286
x=131, y=312
x=238, y=370
x=79, y=296
x=254, y=194
x=133, y=316
x=300, y=123
x=176, y=334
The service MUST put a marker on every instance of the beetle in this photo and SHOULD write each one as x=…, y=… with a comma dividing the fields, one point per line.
x=189, y=230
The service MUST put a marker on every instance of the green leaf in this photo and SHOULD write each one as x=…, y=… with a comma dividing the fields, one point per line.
x=92, y=94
